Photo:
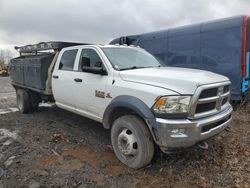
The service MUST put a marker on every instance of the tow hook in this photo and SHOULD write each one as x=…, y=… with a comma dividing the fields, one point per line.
x=203, y=145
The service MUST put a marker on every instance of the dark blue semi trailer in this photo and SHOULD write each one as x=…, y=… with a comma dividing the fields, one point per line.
x=221, y=46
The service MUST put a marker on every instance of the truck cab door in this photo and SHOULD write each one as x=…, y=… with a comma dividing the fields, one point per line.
x=90, y=86
x=63, y=80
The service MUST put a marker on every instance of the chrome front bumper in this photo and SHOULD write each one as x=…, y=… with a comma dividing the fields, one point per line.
x=181, y=133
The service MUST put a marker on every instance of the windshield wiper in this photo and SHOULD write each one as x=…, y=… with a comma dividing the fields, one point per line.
x=136, y=67
x=154, y=66
x=133, y=67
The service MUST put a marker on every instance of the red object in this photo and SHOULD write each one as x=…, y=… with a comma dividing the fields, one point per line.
x=244, y=51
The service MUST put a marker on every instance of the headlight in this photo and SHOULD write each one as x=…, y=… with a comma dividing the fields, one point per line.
x=172, y=106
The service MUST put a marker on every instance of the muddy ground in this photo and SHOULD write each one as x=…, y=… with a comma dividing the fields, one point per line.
x=55, y=148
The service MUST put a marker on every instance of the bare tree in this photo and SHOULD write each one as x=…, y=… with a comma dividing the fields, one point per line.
x=8, y=56
x=5, y=56
x=1, y=56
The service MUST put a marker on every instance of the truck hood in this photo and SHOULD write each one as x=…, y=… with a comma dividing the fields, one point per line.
x=180, y=80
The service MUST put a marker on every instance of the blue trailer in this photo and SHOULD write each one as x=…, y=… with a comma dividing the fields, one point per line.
x=221, y=46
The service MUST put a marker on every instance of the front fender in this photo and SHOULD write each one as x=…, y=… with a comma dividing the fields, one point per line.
x=129, y=102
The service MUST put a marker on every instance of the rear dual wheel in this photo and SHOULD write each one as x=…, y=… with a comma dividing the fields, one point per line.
x=132, y=141
x=27, y=101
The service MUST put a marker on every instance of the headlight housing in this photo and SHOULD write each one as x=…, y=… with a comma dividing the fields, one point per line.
x=172, y=106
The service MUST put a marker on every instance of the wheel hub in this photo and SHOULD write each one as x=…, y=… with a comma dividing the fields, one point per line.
x=127, y=142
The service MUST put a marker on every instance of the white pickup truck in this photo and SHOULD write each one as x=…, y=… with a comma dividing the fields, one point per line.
x=126, y=89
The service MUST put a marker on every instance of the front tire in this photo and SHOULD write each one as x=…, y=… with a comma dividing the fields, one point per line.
x=132, y=142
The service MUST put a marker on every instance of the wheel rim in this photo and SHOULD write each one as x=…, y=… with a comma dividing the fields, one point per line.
x=127, y=143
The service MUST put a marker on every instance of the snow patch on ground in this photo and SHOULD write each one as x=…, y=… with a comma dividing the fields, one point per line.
x=5, y=133
x=8, y=110
x=7, y=142
x=46, y=105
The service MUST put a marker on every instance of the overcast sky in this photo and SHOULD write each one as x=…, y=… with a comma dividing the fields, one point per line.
x=99, y=21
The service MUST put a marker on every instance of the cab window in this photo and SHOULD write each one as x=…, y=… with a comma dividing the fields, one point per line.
x=68, y=60
x=89, y=58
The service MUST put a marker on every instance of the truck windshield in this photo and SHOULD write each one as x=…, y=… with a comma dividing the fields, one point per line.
x=130, y=58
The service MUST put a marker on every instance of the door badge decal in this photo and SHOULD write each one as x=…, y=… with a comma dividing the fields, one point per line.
x=100, y=94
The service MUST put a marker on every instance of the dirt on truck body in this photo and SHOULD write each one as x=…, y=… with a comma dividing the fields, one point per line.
x=55, y=148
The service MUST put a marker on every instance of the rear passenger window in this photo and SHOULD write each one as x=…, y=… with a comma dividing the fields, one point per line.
x=68, y=60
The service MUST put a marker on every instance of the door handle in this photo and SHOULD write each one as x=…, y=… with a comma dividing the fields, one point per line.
x=78, y=80
x=55, y=76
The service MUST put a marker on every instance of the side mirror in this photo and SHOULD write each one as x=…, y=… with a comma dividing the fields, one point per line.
x=94, y=70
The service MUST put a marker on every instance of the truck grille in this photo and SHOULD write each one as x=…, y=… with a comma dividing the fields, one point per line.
x=205, y=107
x=208, y=93
x=210, y=99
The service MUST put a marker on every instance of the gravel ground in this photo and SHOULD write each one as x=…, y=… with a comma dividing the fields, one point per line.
x=7, y=94
x=55, y=148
